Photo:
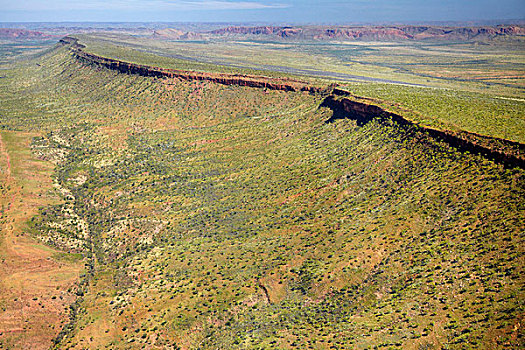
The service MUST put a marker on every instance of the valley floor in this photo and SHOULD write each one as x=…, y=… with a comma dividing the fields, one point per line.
x=35, y=280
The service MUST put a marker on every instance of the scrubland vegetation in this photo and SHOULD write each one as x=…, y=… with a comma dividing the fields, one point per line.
x=477, y=95
x=211, y=216
x=491, y=68
x=451, y=109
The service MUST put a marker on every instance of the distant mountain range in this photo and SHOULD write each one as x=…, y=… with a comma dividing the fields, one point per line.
x=309, y=32
x=377, y=32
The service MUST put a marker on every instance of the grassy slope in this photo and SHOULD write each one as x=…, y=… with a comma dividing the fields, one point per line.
x=462, y=105
x=451, y=109
x=226, y=217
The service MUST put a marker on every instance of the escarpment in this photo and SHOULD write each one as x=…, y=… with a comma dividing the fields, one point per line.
x=283, y=84
x=379, y=33
x=342, y=103
x=498, y=150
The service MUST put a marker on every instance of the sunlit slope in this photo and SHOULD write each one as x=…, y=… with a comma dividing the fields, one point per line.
x=493, y=69
x=231, y=217
x=480, y=113
x=458, y=103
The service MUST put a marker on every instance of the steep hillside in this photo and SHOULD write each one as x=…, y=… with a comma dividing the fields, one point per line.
x=233, y=217
x=502, y=150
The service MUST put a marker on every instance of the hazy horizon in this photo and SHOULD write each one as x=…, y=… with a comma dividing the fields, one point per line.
x=260, y=11
x=509, y=21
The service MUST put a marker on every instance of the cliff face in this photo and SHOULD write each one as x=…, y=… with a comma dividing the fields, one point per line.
x=341, y=102
x=219, y=78
x=502, y=151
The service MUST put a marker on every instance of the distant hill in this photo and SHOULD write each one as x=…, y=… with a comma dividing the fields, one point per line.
x=171, y=33
x=378, y=32
x=13, y=33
